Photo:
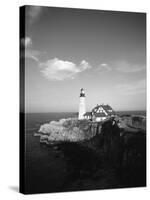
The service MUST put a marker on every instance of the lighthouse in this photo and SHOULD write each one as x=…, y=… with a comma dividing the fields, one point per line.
x=82, y=109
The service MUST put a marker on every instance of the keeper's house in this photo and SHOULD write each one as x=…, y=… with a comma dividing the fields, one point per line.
x=100, y=113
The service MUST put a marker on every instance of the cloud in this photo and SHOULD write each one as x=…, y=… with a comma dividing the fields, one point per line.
x=103, y=67
x=126, y=67
x=59, y=70
x=32, y=54
x=33, y=13
x=104, y=64
x=137, y=87
x=26, y=43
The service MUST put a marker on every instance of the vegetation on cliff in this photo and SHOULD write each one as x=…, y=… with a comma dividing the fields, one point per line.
x=70, y=129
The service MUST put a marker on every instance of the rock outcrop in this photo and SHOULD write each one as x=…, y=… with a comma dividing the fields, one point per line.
x=111, y=148
x=70, y=129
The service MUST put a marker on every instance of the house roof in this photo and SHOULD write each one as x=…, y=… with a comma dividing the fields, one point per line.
x=88, y=114
x=108, y=109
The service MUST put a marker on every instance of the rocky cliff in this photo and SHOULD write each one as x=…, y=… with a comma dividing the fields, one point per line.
x=117, y=152
x=70, y=129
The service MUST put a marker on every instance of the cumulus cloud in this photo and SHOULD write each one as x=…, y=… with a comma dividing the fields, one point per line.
x=58, y=70
x=126, y=67
x=33, y=13
x=26, y=43
x=137, y=87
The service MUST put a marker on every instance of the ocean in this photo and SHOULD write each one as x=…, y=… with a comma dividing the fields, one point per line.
x=44, y=166
x=53, y=170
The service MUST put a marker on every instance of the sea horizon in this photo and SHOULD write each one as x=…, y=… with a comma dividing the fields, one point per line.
x=77, y=112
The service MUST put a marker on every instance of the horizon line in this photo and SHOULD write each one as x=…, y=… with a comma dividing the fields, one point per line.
x=77, y=112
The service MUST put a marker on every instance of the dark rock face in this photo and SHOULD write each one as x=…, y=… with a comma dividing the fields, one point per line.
x=119, y=155
x=109, y=157
x=134, y=158
x=126, y=153
x=112, y=142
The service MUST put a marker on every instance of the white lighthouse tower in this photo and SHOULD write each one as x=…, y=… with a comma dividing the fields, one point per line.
x=82, y=109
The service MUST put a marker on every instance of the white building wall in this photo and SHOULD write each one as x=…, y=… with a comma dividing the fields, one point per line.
x=98, y=119
x=82, y=109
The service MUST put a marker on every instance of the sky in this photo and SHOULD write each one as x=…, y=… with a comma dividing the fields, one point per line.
x=103, y=52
